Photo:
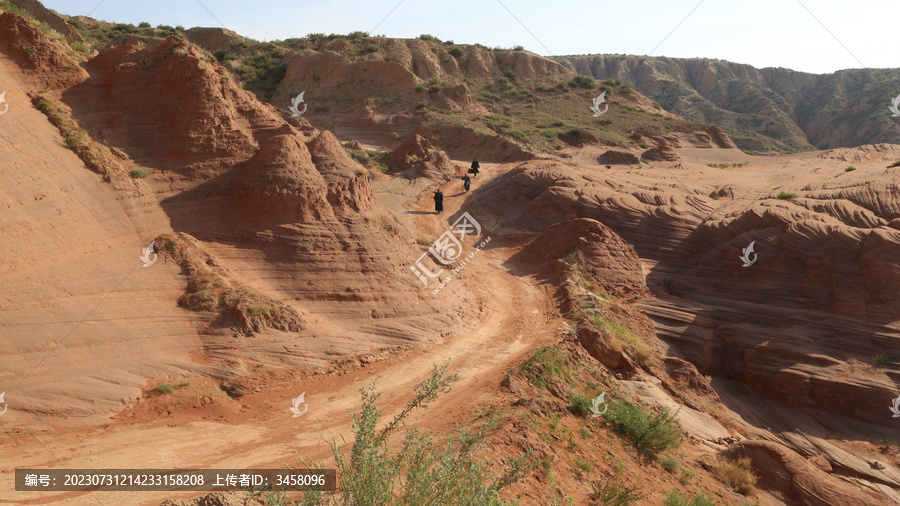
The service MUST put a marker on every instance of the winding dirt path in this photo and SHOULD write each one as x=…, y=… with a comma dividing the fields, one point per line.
x=517, y=316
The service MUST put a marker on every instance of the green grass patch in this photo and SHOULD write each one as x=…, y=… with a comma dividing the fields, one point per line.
x=612, y=493
x=675, y=499
x=651, y=433
x=138, y=174
x=165, y=388
x=786, y=195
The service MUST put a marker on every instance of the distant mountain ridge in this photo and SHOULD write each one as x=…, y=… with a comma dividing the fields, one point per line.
x=769, y=110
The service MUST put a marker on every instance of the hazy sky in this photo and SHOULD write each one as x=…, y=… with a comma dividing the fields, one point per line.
x=807, y=35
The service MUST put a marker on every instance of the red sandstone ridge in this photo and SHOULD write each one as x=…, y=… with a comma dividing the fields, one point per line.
x=182, y=112
x=36, y=54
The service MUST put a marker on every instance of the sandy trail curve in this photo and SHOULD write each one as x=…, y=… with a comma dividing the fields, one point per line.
x=517, y=317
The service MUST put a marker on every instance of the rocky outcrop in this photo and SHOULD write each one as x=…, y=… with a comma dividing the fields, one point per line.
x=418, y=157
x=793, y=479
x=662, y=152
x=613, y=157
x=212, y=39
x=49, y=18
x=217, y=124
x=604, y=257
x=39, y=57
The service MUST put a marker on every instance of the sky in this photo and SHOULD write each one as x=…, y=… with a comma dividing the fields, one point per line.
x=818, y=36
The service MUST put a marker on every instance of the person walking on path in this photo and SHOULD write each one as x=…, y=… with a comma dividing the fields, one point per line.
x=467, y=182
x=439, y=202
x=474, y=169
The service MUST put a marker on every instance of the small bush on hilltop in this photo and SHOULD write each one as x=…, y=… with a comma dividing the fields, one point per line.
x=787, y=195
x=583, y=81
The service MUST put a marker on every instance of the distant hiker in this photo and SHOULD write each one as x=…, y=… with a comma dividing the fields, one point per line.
x=467, y=182
x=474, y=169
x=439, y=202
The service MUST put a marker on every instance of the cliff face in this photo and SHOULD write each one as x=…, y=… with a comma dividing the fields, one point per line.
x=763, y=110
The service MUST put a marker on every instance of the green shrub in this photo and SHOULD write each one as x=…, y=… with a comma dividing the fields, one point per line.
x=81, y=48
x=138, y=174
x=165, y=388
x=585, y=467
x=359, y=34
x=786, y=195
x=43, y=105
x=456, y=52
x=143, y=24
x=371, y=48
x=432, y=38
x=579, y=404
x=518, y=134
x=421, y=470
x=184, y=384
x=615, y=494
x=650, y=433
x=881, y=358
x=583, y=81
x=504, y=84
x=547, y=362
x=669, y=464
x=675, y=499
x=895, y=164
x=628, y=88
x=509, y=74
x=850, y=169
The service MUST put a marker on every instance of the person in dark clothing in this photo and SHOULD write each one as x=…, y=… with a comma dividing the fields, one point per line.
x=439, y=202
x=467, y=182
x=474, y=169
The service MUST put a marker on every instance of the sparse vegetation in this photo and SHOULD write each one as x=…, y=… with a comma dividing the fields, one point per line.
x=547, y=363
x=881, y=358
x=650, y=433
x=612, y=493
x=850, y=169
x=669, y=464
x=165, y=388
x=895, y=164
x=737, y=474
x=371, y=48
x=583, y=81
x=675, y=499
x=786, y=195
x=456, y=52
x=138, y=174
x=579, y=404
x=726, y=165
x=430, y=472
